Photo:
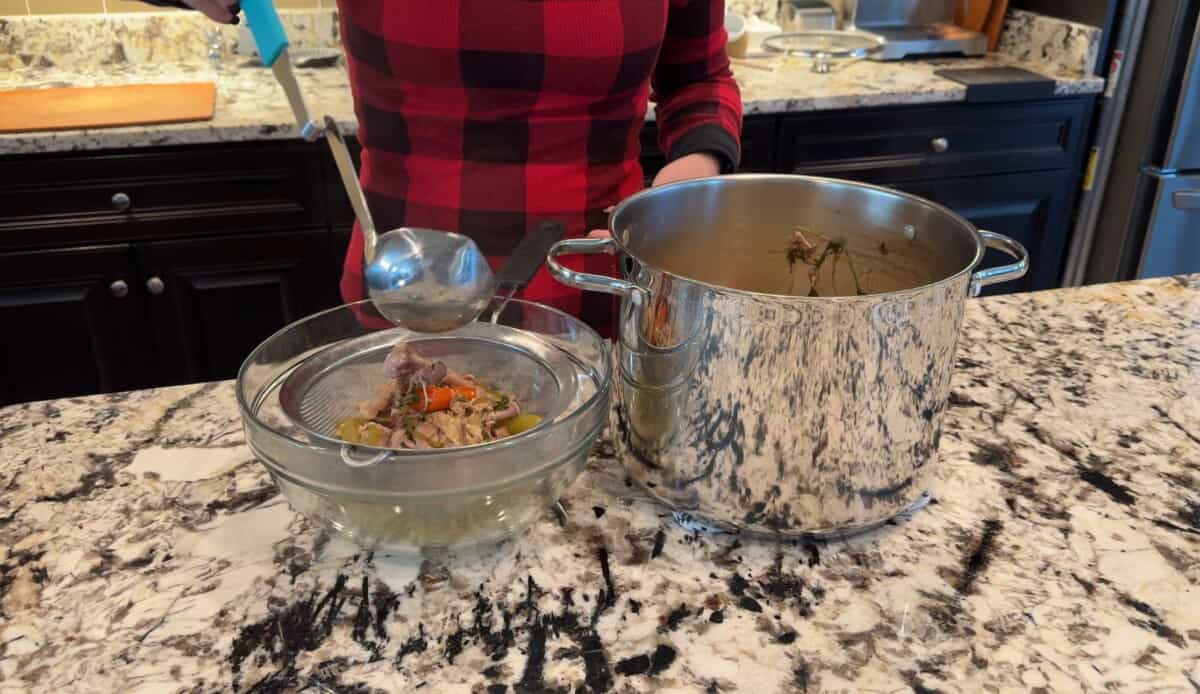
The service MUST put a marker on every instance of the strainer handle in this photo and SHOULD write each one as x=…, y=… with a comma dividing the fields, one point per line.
x=1003, y=273
x=349, y=459
x=589, y=282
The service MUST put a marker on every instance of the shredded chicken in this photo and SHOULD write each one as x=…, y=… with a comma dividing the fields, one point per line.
x=423, y=404
x=402, y=360
x=497, y=415
x=370, y=409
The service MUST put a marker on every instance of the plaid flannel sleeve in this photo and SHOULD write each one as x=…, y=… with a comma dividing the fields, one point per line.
x=698, y=104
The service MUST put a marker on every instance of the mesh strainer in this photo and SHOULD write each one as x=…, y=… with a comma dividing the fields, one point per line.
x=330, y=384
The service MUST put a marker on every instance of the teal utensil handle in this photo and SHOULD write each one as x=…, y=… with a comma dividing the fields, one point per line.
x=266, y=28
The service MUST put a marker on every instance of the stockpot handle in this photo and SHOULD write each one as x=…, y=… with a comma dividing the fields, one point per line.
x=589, y=282
x=1003, y=273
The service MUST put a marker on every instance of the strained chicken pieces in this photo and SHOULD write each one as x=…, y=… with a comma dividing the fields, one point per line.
x=423, y=404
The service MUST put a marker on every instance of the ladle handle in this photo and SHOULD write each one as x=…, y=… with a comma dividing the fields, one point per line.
x=265, y=27
x=345, y=167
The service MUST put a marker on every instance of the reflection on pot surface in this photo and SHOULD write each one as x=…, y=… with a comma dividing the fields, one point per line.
x=776, y=384
x=828, y=424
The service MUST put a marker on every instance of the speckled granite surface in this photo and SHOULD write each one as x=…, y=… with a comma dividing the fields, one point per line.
x=763, y=9
x=144, y=551
x=83, y=43
x=1054, y=43
x=251, y=106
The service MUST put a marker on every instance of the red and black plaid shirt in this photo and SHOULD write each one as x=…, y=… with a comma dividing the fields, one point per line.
x=488, y=116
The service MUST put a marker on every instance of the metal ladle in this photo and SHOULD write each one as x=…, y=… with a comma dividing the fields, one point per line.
x=425, y=280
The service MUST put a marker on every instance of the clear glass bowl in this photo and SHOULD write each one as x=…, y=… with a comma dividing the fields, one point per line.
x=428, y=500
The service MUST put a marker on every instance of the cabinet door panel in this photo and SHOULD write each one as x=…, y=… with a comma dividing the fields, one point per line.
x=219, y=298
x=1031, y=208
x=70, y=330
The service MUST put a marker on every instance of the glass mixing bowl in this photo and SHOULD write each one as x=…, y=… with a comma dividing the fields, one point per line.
x=433, y=499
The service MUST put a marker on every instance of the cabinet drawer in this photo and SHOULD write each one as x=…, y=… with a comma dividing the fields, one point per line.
x=47, y=200
x=957, y=140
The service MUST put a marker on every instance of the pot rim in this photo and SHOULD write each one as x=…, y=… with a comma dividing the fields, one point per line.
x=980, y=246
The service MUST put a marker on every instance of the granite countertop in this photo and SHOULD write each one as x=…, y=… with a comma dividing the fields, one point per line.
x=251, y=106
x=39, y=52
x=143, y=550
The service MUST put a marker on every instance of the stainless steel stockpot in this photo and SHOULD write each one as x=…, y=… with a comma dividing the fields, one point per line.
x=786, y=344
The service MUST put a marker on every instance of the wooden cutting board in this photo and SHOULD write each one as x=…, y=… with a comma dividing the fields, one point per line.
x=974, y=15
x=68, y=108
x=995, y=22
x=984, y=16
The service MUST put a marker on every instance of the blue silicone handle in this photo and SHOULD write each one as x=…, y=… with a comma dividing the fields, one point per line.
x=268, y=33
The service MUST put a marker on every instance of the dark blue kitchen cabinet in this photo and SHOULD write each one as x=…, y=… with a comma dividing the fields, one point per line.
x=124, y=316
x=1011, y=168
x=72, y=323
x=144, y=268
x=1032, y=208
x=211, y=301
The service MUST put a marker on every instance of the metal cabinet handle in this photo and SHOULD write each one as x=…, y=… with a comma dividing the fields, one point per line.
x=1186, y=200
x=120, y=202
x=939, y=144
x=119, y=289
x=155, y=286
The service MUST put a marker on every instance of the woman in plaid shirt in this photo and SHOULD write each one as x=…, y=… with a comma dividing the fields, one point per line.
x=488, y=116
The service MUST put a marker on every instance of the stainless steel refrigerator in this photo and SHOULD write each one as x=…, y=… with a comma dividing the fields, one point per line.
x=1140, y=216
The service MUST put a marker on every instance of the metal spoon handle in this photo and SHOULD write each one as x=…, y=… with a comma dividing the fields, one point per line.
x=523, y=263
x=345, y=166
x=529, y=255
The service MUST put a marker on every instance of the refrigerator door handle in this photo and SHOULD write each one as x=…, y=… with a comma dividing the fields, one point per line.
x=1186, y=200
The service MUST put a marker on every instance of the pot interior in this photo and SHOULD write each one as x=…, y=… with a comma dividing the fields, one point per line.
x=795, y=235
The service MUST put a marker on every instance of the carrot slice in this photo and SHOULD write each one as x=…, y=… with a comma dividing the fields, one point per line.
x=438, y=398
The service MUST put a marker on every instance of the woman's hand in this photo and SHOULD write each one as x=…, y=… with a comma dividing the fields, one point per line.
x=698, y=165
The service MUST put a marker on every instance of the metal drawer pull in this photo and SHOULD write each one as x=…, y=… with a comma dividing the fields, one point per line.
x=1186, y=200
x=155, y=286
x=940, y=144
x=119, y=289
x=120, y=202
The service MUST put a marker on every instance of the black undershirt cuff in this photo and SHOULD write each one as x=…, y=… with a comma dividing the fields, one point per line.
x=709, y=139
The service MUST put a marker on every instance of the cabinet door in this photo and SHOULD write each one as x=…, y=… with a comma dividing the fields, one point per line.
x=213, y=300
x=1032, y=208
x=72, y=323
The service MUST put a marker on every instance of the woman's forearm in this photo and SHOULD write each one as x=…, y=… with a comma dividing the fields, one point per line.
x=699, y=106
